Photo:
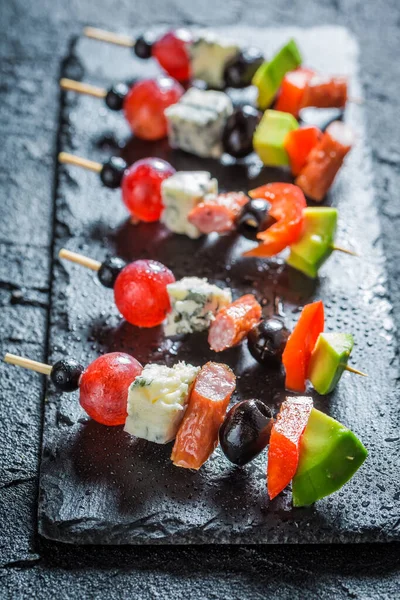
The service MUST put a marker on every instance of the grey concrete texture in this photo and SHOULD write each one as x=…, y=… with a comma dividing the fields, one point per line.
x=35, y=38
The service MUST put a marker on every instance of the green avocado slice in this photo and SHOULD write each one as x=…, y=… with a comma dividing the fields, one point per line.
x=330, y=454
x=270, y=135
x=269, y=76
x=316, y=243
x=328, y=360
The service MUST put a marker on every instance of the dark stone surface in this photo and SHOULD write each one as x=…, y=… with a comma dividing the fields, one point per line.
x=35, y=37
x=100, y=485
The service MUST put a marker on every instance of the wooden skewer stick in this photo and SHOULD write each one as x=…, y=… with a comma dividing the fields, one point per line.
x=355, y=371
x=344, y=250
x=82, y=88
x=107, y=36
x=79, y=259
x=27, y=363
x=78, y=161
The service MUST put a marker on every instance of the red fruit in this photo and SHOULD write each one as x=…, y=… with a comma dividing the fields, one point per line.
x=298, y=144
x=171, y=51
x=140, y=292
x=283, y=452
x=297, y=354
x=141, y=188
x=288, y=202
x=145, y=103
x=292, y=90
x=103, y=388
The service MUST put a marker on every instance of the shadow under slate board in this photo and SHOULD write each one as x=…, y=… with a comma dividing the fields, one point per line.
x=98, y=484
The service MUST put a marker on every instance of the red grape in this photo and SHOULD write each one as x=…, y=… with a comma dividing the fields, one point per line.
x=140, y=292
x=171, y=51
x=103, y=388
x=145, y=103
x=141, y=188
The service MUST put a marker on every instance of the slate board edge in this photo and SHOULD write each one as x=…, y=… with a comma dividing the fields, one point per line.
x=69, y=533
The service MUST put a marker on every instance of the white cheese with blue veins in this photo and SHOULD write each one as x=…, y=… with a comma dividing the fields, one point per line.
x=208, y=59
x=180, y=194
x=194, y=304
x=157, y=401
x=197, y=121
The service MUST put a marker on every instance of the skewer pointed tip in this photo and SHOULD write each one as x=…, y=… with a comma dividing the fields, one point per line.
x=345, y=250
x=355, y=371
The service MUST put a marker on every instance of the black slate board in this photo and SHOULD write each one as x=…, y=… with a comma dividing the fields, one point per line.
x=98, y=485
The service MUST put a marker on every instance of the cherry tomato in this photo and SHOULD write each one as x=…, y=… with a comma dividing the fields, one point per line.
x=292, y=90
x=287, y=204
x=145, y=103
x=141, y=188
x=103, y=389
x=283, y=452
x=298, y=144
x=140, y=292
x=171, y=51
x=301, y=343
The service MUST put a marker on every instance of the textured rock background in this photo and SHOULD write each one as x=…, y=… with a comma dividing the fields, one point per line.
x=35, y=38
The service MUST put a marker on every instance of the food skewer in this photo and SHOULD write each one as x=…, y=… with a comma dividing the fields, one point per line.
x=228, y=322
x=310, y=235
x=143, y=103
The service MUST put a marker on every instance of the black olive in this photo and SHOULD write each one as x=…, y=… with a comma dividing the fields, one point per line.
x=109, y=271
x=240, y=69
x=254, y=217
x=116, y=95
x=245, y=431
x=66, y=374
x=267, y=341
x=144, y=45
x=237, y=137
x=113, y=171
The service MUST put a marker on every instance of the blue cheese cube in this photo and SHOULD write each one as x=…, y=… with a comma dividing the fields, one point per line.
x=194, y=304
x=157, y=401
x=208, y=59
x=197, y=121
x=180, y=194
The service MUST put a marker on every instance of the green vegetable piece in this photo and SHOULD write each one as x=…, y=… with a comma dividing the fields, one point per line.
x=269, y=76
x=328, y=360
x=330, y=454
x=317, y=241
x=270, y=135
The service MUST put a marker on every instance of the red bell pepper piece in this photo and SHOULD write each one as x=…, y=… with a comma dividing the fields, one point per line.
x=297, y=354
x=292, y=89
x=283, y=452
x=287, y=202
x=298, y=144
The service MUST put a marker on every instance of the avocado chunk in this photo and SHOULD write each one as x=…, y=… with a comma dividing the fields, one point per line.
x=316, y=243
x=328, y=360
x=270, y=135
x=269, y=76
x=330, y=454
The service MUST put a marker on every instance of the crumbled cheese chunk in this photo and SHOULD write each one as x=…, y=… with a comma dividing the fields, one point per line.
x=194, y=304
x=197, y=121
x=180, y=194
x=208, y=59
x=157, y=401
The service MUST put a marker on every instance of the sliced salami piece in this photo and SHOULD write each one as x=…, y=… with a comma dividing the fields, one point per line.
x=197, y=436
x=325, y=160
x=325, y=92
x=218, y=213
x=233, y=323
